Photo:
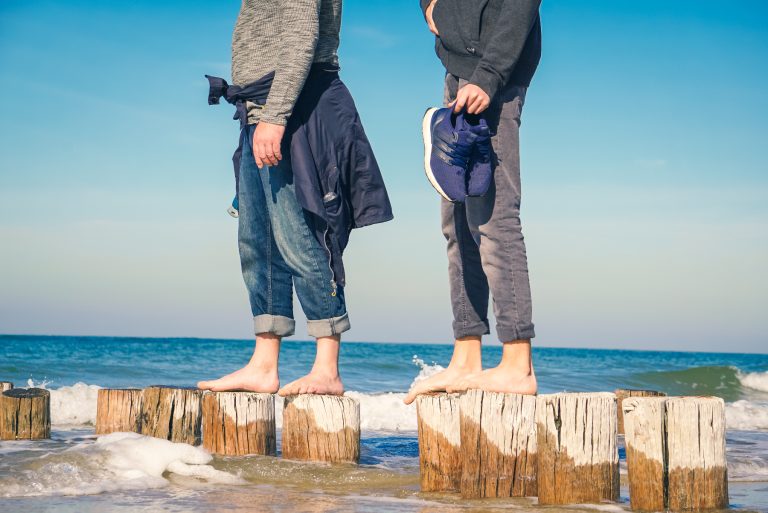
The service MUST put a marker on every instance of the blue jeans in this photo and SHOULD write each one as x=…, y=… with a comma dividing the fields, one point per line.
x=278, y=252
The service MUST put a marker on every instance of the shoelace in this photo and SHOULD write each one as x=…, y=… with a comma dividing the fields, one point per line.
x=461, y=152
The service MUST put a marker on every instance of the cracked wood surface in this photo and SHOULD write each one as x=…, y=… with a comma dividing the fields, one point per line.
x=118, y=409
x=498, y=445
x=578, y=460
x=321, y=428
x=239, y=423
x=172, y=413
x=25, y=414
x=439, y=442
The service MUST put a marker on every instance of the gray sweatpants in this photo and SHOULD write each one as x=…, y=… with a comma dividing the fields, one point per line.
x=486, y=251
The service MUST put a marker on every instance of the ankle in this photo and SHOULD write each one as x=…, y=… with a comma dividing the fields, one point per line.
x=327, y=372
x=521, y=366
x=262, y=367
x=465, y=365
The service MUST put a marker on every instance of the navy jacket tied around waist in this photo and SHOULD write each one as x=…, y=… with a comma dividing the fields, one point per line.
x=335, y=172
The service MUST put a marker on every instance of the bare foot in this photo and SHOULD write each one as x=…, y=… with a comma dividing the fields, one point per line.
x=314, y=383
x=440, y=381
x=505, y=379
x=250, y=378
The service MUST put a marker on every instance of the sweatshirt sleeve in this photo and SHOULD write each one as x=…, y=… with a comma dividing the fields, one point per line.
x=300, y=30
x=505, y=45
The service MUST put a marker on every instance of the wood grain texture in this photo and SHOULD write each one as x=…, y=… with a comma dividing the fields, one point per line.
x=5, y=385
x=239, y=423
x=439, y=442
x=577, y=455
x=118, y=409
x=25, y=414
x=498, y=445
x=645, y=442
x=698, y=471
x=172, y=413
x=321, y=428
x=623, y=393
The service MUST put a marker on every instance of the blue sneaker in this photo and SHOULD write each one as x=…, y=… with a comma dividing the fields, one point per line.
x=448, y=145
x=480, y=170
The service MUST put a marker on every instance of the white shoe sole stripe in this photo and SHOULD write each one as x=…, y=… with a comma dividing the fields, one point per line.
x=426, y=133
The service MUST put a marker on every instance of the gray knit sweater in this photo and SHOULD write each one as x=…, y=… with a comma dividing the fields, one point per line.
x=284, y=36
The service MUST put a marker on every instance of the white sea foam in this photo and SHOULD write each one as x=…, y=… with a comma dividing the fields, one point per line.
x=75, y=405
x=425, y=370
x=118, y=461
x=754, y=380
x=747, y=415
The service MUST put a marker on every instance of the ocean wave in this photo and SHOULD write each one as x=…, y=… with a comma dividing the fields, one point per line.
x=746, y=415
x=75, y=405
x=118, y=461
x=754, y=380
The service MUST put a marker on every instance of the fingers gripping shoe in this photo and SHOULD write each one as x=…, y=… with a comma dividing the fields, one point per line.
x=448, y=145
x=480, y=168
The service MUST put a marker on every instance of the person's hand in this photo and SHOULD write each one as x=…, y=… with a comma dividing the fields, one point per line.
x=473, y=98
x=430, y=21
x=266, y=144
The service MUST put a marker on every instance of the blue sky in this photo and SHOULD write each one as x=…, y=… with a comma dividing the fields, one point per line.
x=645, y=173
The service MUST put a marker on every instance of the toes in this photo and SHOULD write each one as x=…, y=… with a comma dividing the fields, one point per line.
x=286, y=390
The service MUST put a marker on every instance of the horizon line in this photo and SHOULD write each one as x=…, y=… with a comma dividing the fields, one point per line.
x=534, y=346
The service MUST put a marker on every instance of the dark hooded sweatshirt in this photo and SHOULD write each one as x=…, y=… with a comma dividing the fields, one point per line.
x=490, y=43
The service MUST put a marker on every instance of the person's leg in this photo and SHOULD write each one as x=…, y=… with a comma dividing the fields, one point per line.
x=494, y=221
x=269, y=284
x=469, y=292
x=309, y=262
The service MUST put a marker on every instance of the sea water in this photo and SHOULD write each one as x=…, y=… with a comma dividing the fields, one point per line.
x=77, y=471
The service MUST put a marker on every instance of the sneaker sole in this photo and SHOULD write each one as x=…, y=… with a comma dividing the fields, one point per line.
x=426, y=134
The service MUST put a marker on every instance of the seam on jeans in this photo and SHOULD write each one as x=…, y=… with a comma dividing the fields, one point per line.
x=313, y=252
x=460, y=242
x=270, y=308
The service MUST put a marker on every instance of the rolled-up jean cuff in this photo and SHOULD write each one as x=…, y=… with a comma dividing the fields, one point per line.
x=275, y=324
x=473, y=330
x=328, y=327
x=509, y=334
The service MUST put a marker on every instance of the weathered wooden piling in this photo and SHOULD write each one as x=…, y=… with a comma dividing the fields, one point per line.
x=25, y=414
x=577, y=454
x=623, y=393
x=498, y=445
x=676, y=453
x=439, y=442
x=118, y=409
x=172, y=413
x=5, y=385
x=645, y=443
x=698, y=473
x=239, y=423
x=321, y=428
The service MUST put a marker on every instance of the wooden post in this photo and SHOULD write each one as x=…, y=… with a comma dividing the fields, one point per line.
x=439, y=442
x=645, y=442
x=676, y=453
x=5, y=385
x=172, y=413
x=498, y=445
x=321, y=428
x=118, y=409
x=577, y=456
x=698, y=474
x=623, y=393
x=239, y=423
x=25, y=414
